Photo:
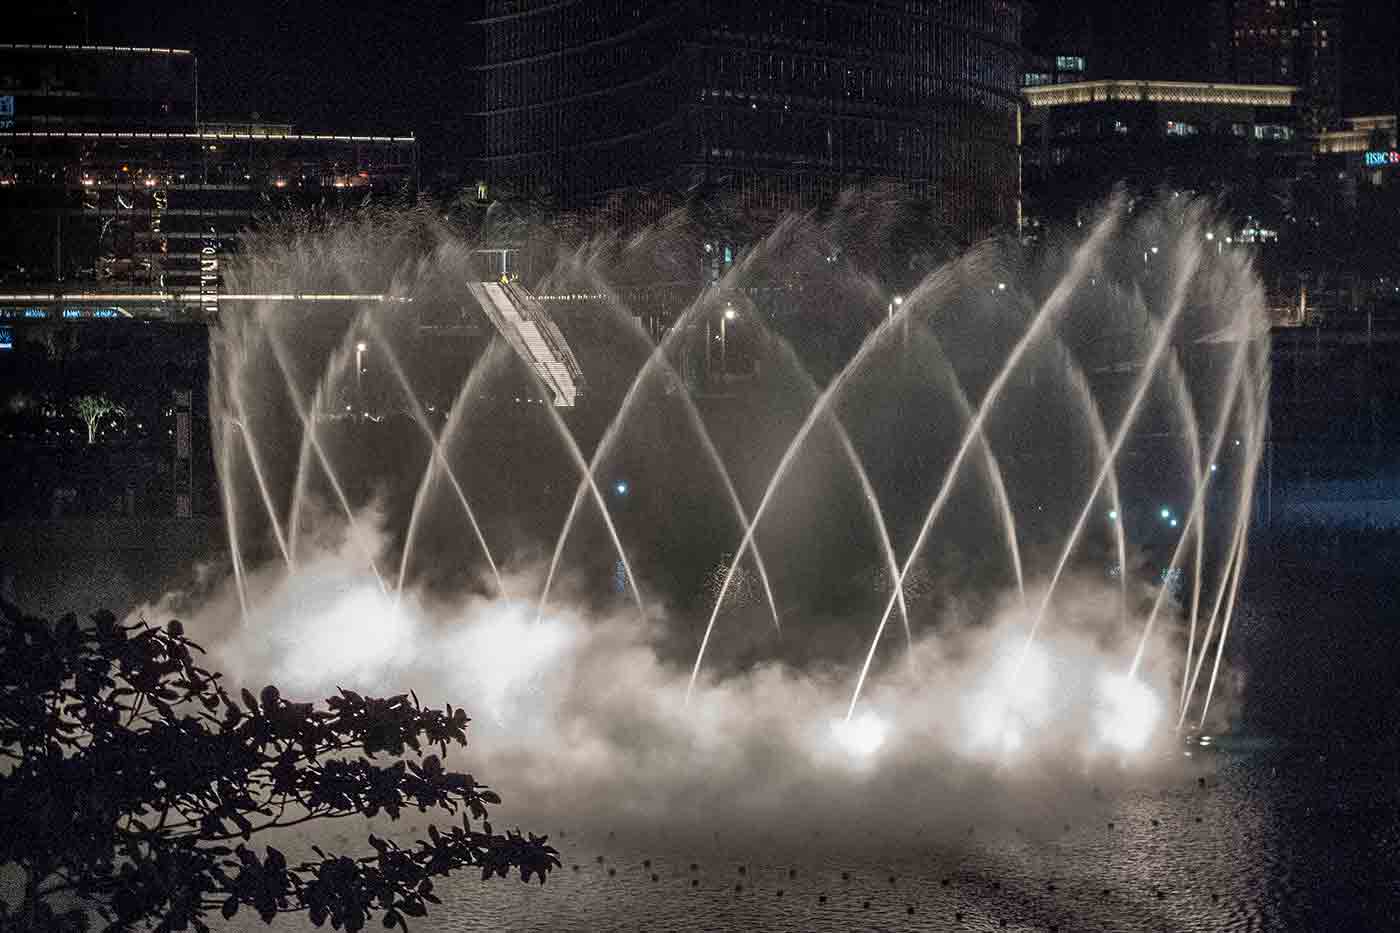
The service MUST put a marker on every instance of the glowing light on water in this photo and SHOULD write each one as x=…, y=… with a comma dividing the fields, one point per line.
x=1015, y=700
x=348, y=632
x=1128, y=712
x=861, y=736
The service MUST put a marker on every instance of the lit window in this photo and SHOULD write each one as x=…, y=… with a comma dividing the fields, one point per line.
x=1178, y=128
x=1273, y=132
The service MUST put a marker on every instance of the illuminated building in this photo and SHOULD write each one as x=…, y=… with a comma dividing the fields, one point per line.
x=1083, y=137
x=780, y=105
x=1297, y=42
x=110, y=178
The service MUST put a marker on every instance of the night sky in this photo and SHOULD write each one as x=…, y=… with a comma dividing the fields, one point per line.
x=387, y=67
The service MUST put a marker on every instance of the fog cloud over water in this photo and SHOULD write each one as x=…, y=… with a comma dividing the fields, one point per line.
x=581, y=715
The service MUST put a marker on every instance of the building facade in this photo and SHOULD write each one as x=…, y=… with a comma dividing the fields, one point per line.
x=110, y=181
x=1296, y=42
x=1083, y=137
x=778, y=105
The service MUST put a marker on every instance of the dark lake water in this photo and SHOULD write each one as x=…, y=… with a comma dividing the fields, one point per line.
x=1280, y=838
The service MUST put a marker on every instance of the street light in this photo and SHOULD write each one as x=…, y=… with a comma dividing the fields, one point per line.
x=729, y=315
x=360, y=349
x=894, y=303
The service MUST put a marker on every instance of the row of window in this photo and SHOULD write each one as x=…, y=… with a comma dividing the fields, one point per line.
x=1265, y=132
x=961, y=65
x=593, y=69
x=869, y=28
x=562, y=26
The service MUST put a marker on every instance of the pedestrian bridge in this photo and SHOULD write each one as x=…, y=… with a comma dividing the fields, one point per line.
x=536, y=339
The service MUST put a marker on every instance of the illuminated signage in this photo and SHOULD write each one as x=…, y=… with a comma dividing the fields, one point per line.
x=7, y=339
x=1377, y=159
x=7, y=111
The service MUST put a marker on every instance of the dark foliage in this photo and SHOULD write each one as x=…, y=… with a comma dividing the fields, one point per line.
x=134, y=784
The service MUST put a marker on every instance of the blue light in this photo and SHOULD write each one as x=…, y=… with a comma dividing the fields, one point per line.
x=621, y=487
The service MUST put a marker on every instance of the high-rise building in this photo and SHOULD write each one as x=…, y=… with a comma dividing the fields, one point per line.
x=780, y=105
x=1298, y=42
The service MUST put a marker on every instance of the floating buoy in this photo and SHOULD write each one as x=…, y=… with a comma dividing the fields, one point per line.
x=646, y=863
x=911, y=908
x=1155, y=822
x=891, y=879
x=1110, y=824
x=958, y=916
x=600, y=860
x=738, y=886
x=655, y=876
x=742, y=870
x=792, y=872
x=695, y=882
x=821, y=898
x=944, y=882
x=576, y=868
x=865, y=904
x=612, y=872
x=845, y=876
x=694, y=867
x=780, y=892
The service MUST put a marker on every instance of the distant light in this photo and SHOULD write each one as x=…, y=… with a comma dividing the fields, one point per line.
x=730, y=314
x=1113, y=515
x=1210, y=235
x=362, y=346
x=898, y=300
x=1166, y=513
x=1173, y=523
x=1001, y=286
x=862, y=736
x=1237, y=442
x=621, y=487
x=1213, y=468
x=1154, y=250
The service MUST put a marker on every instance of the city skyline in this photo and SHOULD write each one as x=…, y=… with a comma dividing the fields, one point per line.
x=364, y=67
